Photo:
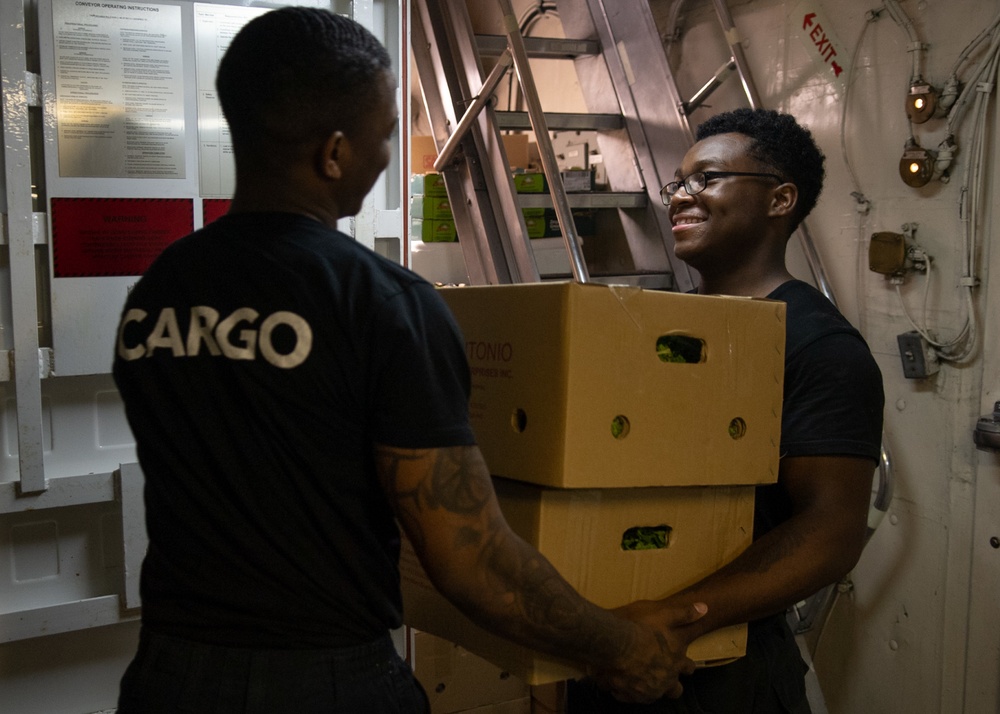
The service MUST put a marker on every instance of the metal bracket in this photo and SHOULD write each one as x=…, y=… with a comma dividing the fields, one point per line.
x=33, y=89
x=46, y=364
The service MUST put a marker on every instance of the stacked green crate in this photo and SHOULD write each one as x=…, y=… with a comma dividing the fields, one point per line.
x=534, y=221
x=543, y=223
x=431, y=218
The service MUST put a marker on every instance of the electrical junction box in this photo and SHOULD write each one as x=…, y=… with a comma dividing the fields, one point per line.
x=887, y=253
x=919, y=360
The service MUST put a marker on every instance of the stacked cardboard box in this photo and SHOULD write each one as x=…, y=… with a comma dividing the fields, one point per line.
x=423, y=152
x=613, y=416
x=430, y=212
x=458, y=681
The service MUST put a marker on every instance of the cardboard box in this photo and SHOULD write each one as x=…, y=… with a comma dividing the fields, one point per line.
x=516, y=147
x=581, y=532
x=593, y=386
x=423, y=152
x=514, y=706
x=578, y=180
x=456, y=680
x=548, y=698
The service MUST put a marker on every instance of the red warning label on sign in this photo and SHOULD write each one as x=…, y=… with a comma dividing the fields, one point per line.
x=106, y=237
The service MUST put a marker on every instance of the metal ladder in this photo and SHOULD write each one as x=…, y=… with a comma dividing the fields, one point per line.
x=641, y=149
x=642, y=125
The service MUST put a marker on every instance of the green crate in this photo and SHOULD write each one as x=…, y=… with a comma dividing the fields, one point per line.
x=536, y=226
x=433, y=231
x=584, y=219
x=432, y=207
x=530, y=183
x=427, y=184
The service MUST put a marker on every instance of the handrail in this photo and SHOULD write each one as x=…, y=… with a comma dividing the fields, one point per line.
x=550, y=165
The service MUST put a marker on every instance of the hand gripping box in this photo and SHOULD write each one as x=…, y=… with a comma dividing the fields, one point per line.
x=592, y=386
x=614, y=545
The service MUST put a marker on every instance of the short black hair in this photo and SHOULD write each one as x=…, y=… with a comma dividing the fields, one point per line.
x=781, y=143
x=297, y=74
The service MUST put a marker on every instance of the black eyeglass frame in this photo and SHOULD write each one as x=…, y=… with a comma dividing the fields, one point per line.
x=667, y=192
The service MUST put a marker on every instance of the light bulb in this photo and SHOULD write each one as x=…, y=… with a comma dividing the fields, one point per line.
x=921, y=101
x=916, y=167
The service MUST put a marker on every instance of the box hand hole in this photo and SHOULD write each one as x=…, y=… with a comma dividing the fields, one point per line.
x=519, y=421
x=680, y=349
x=620, y=426
x=646, y=537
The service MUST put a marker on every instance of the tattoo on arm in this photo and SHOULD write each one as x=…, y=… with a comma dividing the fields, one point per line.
x=419, y=481
x=516, y=587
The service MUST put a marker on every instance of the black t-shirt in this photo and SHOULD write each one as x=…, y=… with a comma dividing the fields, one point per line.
x=833, y=396
x=259, y=360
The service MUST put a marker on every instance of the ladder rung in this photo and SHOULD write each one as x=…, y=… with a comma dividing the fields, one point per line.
x=541, y=47
x=597, y=199
x=558, y=121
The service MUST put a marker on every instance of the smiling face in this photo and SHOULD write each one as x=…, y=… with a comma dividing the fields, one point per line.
x=722, y=228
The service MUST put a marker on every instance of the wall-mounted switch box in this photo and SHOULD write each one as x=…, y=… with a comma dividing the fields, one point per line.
x=919, y=360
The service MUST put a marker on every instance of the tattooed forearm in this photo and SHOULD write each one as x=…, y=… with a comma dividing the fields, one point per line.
x=445, y=502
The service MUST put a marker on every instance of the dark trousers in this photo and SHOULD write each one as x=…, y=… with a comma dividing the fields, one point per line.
x=770, y=679
x=170, y=675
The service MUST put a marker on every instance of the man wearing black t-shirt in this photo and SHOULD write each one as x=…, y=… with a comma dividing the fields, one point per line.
x=293, y=395
x=744, y=187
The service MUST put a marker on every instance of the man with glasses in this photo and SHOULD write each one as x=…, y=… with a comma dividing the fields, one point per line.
x=741, y=192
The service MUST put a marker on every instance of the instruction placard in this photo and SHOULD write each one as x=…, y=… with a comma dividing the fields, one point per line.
x=119, y=89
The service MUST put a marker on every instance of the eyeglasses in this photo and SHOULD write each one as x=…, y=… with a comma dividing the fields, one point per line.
x=696, y=182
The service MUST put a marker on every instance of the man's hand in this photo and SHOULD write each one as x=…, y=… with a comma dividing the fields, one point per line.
x=651, y=668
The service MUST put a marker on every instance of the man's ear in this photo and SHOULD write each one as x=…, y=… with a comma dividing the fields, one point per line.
x=332, y=154
x=783, y=200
